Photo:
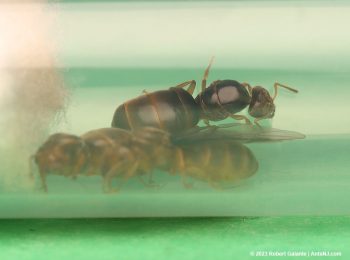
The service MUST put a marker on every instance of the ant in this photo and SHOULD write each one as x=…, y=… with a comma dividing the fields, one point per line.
x=175, y=110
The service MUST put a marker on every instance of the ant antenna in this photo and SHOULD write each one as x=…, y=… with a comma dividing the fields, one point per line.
x=283, y=86
x=206, y=73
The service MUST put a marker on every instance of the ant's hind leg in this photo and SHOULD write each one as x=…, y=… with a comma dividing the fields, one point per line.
x=190, y=89
x=206, y=74
x=241, y=117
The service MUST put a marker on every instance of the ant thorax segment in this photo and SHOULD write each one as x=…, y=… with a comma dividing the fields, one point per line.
x=222, y=99
x=261, y=105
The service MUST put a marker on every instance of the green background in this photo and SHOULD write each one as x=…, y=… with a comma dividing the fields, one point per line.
x=198, y=238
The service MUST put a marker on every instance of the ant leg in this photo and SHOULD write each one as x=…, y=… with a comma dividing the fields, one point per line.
x=241, y=117
x=206, y=74
x=190, y=89
x=208, y=126
x=206, y=121
x=77, y=168
x=276, y=85
x=180, y=160
x=180, y=166
x=177, y=165
x=107, y=181
x=131, y=171
x=107, y=184
x=248, y=87
x=118, y=188
x=258, y=119
x=31, y=166
x=150, y=183
x=211, y=128
x=43, y=179
x=92, y=170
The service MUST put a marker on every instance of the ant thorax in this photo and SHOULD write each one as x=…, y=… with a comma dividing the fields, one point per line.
x=223, y=98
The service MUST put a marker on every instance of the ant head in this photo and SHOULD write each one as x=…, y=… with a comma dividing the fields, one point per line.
x=261, y=104
x=59, y=151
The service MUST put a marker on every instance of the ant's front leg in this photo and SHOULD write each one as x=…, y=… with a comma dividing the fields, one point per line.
x=241, y=117
x=258, y=119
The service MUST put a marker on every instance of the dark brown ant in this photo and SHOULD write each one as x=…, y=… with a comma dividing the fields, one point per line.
x=175, y=110
x=225, y=98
